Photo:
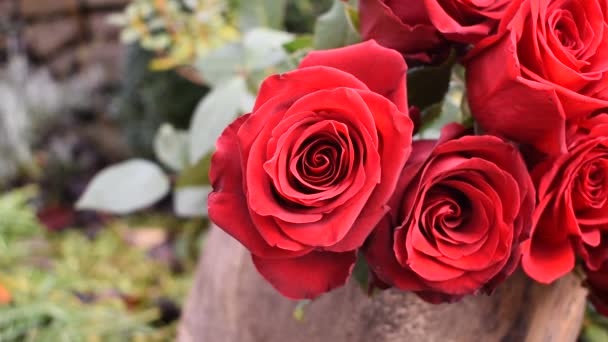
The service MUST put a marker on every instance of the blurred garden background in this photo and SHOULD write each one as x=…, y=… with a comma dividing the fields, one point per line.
x=103, y=181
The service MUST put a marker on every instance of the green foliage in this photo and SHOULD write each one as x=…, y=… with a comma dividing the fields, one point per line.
x=335, y=27
x=451, y=108
x=179, y=31
x=125, y=187
x=148, y=99
x=595, y=327
x=428, y=85
x=216, y=111
x=261, y=13
x=195, y=175
x=70, y=287
x=17, y=222
x=302, y=14
x=361, y=273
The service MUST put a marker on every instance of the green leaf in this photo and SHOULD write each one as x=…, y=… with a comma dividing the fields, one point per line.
x=361, y=273
x=352, y=14
x=216, y=111
x=125, y=187
x=300, y=43
x=264, y=47
x=195, y=175
x=171, y=147
x=222, y=64
x=436, y=116
x=191, y=201
x=334, y=29
x=428, y=85
x=261, y=13
x=465, y=110
x=594, y=333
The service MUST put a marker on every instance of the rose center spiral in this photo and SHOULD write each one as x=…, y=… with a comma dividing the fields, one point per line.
x=446, y=210
x=323, y=159
x=591, y=185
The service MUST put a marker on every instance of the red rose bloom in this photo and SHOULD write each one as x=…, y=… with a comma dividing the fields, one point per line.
x=572, y=213
x=459, y=214
x=545, y=68
x=466, y=21
x=304, y=178
x=400, y=25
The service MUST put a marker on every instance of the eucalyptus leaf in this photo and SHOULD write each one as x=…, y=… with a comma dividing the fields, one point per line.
x=264, y=47
x=334, y=28
x=352, y=14
x=216, y=111
x=125, y=188
x=171, y=147
x=191, y=201
x=196, y=174
x=257, y=13
x=300, y=43
x=222, y=64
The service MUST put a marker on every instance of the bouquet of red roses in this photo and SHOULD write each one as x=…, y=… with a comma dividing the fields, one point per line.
x=329, y=169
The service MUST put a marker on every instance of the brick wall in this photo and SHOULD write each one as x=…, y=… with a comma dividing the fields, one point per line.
x=67, y=36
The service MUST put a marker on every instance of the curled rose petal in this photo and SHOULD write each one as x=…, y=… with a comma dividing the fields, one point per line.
x=466, y=21
x=400, y=26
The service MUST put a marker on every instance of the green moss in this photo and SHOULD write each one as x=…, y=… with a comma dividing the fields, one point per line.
x=72, y=287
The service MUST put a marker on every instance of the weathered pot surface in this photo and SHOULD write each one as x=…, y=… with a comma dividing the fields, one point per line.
x=231, y=302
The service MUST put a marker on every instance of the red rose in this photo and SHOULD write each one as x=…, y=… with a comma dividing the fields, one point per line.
x=304, y=178
x=544, y=69
x=572, y=212
x=466, y=21
x=400, y=25
x=597, y=281
x=460, y=211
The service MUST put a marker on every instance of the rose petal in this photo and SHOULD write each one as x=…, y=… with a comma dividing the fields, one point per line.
x=491, y=92
x=227, y=204
x=308, y=276
x=302, y=81
x=382, y=70
x=379, y=256
x=413, y=35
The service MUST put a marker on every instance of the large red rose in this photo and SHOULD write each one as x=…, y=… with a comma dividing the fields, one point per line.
x=572, y=212
x=304, y=178
x=544, y=69
x=459, y=214
x=400, y=25
x=466, y=21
